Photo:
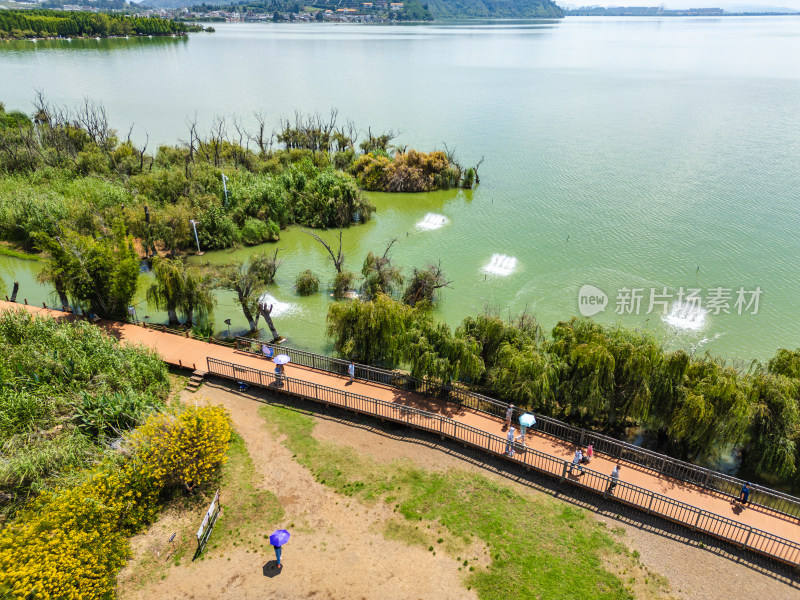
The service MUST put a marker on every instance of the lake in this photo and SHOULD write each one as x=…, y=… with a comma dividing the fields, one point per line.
x=651, y=162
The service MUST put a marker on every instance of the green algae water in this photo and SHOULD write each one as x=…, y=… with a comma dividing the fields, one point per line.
x=641, y=169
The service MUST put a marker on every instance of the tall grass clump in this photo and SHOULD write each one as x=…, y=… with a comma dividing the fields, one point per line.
x=66, y=390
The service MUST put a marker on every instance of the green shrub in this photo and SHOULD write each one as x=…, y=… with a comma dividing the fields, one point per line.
x=217, y=230
x=343, y=283
x=306, y=283
x=255, y=231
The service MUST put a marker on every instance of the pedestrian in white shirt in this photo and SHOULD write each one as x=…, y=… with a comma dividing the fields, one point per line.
x=576, y=462
x=510, y=442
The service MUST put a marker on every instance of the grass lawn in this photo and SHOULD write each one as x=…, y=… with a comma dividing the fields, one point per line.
x=538, y=547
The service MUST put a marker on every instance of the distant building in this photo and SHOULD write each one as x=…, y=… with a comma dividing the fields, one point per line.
x=395, y=6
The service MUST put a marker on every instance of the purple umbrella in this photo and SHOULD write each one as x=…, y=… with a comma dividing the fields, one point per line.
x=279, y=538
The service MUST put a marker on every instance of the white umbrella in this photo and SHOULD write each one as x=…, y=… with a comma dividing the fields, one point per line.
x=281, y=359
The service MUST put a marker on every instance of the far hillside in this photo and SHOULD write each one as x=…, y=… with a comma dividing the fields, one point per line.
x=419, y=10
x=496, y=9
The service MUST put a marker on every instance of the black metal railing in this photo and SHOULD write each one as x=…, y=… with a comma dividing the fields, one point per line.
x=697, y=519
x=728, y=485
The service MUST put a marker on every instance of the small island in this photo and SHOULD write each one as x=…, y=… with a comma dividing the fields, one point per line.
x=32, y=24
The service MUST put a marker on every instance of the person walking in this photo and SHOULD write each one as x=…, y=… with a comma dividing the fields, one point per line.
x=589, y=453
x=510, y=442
x=744, y=495
x=614, y=479
x=278, y=539
x=576, y=462
x=351, y=370
x=509, y=414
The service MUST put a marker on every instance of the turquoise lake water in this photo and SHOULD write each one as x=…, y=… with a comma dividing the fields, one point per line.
x=623, y=154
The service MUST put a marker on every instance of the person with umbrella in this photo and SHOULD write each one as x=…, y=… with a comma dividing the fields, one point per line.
x=525, y=421
x=280, y=370
x=278, y=539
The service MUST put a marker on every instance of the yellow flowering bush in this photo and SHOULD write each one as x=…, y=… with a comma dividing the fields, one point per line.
x=70, y=543
x=184, y=448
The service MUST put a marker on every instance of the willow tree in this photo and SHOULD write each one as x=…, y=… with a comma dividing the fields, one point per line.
x=167, y=291
x=774, y=429
x=180, y=288
x=491, y=332
x=527, y=376
x=435, y=352
x=712, y=413
x=785, y=362
x=198, y=298
x=372, y=332
x=606, y=371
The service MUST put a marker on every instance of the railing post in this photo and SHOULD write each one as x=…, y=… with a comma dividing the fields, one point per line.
x=564, y=471
x=697, y=520
x=747, y=539
x=650, y=504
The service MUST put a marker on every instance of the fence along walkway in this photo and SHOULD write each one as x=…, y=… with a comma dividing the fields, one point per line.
x=665, y=465
x=730, y=530
x=777, y=535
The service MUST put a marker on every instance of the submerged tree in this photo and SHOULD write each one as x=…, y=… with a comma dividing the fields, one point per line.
x=337, y=257
x=424, y=285
x=249, y=280
x=380, y=275
x=307, y=283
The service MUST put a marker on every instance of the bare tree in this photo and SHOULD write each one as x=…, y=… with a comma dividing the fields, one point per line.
x=424, y=285
x=338, y=257
x=193, y=141
x=265, y=310
x=92, y=117
x=260, y=138
x=476, y=167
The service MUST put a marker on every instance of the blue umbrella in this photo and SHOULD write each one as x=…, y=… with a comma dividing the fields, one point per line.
x=527, y=420
x=279, y=538
x=281, y=359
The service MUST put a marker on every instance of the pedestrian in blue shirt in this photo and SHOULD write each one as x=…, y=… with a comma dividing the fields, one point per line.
x=351, y=370
x=744, y=495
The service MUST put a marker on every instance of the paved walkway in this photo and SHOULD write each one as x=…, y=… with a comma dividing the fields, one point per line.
x=190, y=352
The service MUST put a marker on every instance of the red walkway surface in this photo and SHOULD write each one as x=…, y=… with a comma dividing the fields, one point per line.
x=175, y=350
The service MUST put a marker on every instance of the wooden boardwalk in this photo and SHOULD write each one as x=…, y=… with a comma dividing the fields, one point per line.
x=190, y=353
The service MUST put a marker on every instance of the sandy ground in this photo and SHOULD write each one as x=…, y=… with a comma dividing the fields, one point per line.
x=318, y=563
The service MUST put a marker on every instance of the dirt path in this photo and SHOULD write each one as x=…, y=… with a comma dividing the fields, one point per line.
x=336, y=551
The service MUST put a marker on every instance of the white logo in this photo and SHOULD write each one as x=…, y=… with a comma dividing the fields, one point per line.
x=591, y=300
